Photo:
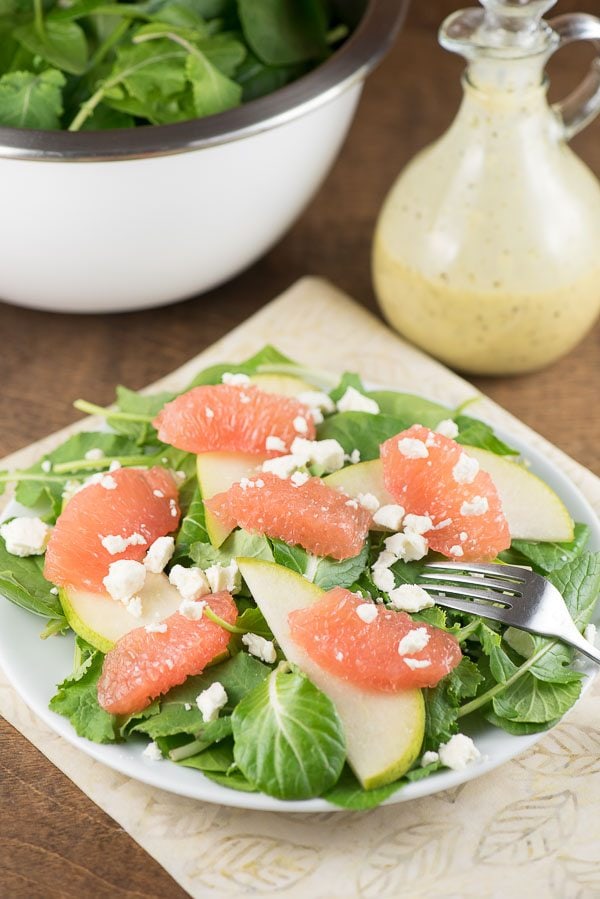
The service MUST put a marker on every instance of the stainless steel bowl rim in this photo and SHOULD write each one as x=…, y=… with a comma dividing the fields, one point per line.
x=362, y=51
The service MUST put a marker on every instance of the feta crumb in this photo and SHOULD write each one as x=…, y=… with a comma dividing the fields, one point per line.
x=339, y=656
x=413, y=664
x=187, y=706
x=224, y=577
x=25, y=536
x=385, y=559
x=209, y=413
x=353, y=457
x=191, y=582
x=351, y=503
x=192, y=609
x=261, y=648
x=275, y=444
x=410, y=598
x=114, y=465
x=590, y=634
x=463, y=536
x=152, y=752
x=300, y=424
x=412, y=448
x=114, y=543
x=408, y=546
x=299, y=478
x=466, y=469
x=173, y=507
x=413, y=641
x=354, y=401
x=443, y=524
x=283, y=466
x=54, y=591
x=211, y=701
x=160, y=627
x=94, y=455
x=158, y=493
x=246, y=483
x=259, y=483
x=447, y=428
x=458, y=752
x=317, y=416
x=389, y=517
x=108, y=482
x=456, y=550
x=134, y=606
x=367, y=612
x=429, y=758
x=237, y=379
x=316, y=399
x=418, y=524
x=328, y=454
x=477, y=506
x=125, y=578
x=368, y=501
x=46, y=466
x=159, y=554
x=383, y=578
x=244, y=398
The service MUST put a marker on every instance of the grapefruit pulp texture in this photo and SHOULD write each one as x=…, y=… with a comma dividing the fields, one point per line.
x=468, y=520
x=232, y=419
x=144, y=665
x=133, y=501
x=366, y=654
x=312, y=515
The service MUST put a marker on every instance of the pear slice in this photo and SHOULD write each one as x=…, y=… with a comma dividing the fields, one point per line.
x=364, y=477
x=384, y=731
x=286, y=385
x=216, y=473
x=101, y=620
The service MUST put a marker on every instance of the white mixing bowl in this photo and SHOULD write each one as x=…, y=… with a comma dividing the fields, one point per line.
x=118, y=220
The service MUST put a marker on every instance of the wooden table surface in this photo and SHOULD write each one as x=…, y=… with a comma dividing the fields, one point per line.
x=54, y=842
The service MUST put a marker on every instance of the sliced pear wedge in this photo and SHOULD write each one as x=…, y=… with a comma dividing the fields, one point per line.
x=364, y=477
x=384, y=731
x=216, y=473
x=101, y=620
x=286, y=385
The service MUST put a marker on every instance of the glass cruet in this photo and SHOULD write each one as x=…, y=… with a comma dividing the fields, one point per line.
x=487, y=249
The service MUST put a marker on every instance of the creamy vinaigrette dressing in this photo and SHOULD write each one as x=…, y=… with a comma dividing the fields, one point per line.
x=487, y=250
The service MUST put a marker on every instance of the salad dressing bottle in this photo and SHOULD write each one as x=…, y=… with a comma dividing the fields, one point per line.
x=487, y=249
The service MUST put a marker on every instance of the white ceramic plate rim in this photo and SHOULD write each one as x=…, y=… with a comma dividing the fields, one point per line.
x=19, y=646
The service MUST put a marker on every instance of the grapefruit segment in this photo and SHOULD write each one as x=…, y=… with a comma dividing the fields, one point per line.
x=144, y=665
x=216, y=473
x=365, y=643
x=311, y=514
x=225, y=418
x=429, y=474
x=136, y=505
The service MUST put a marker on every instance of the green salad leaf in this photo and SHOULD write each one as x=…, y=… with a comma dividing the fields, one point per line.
x=348, y=793
x=282, y=32
x=548, y=557
x=31, y=99
x=23, y=583
x=61, y=44
x=77, y=698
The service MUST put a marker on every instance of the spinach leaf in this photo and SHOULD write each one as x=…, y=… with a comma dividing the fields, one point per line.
x=331, y=573
x=77, y=699
x=534, y=701
x=348, y=379
x=139, y=404
x=283, y=32
x=289, y=740
x=213, y=92
x=62, y=44
x=253, y=620
x=31, y=100
x=547, y=557
x=362, y=431
x=233, y=780
x=238, y=675
x=348, y=793
x=472, y=432
x=518, y=728
x=269, y=355
x=579, y=584
x=239, y=543
x=217, y=758
x=410, y=408
x=192, y=530
x=22, y=582
x=293, y=557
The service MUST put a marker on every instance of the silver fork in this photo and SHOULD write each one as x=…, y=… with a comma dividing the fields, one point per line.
x=505, y=593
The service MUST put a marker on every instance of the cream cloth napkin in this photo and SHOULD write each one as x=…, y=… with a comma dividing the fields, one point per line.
x=529, y=829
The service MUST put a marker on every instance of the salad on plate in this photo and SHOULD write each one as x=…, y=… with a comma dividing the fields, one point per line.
x=240, y=564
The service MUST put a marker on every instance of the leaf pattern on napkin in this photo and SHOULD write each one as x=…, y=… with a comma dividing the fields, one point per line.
x=254, y=865
x=186, y=819
x=528, y=830
x=416, y=854
x=569, y=749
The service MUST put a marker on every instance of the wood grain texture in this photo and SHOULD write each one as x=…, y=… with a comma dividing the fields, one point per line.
x=54, y=842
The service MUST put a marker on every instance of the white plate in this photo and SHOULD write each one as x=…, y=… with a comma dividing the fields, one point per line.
x=34, y=668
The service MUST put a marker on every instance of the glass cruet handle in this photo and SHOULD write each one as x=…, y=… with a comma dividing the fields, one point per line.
x=583, y=104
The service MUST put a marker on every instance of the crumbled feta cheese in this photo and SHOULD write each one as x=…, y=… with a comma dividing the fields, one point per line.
x=367, y=612
x=354, y=401
x=192, y=583
x=108, y=482
x=209, y=413
x=94, y=455
x=125, y=578
x=237, y=379
x=211, y=701
x=418, y=524
x=458, y=752
x=224, y=577
x=158, y=493
x=173, y=507
x=590, y=633
x=54, y=591
x=457, y=551
x=339, y=656
x=413, y=664
x=300, y=424
x=246, y=483
x=351, y=503
x=412, y=448
x=25, y=536
x=192, y=609
x=443, y=524
x=353, y=457
x=283, y=466
x=389, y=517
x=134, y=606
x=463, y=536
x=429, y=758
x=187, y=706
x=410, y=598
x=408, y=546
x=299, y=478
x=114, y=465
x=152, y=752
x=259, y=647
x=466, y=469
x=317, y=416
x=274, y=444
x=448, y=428
x=368, y=501
x=316, y=399
x=328, y=454
x=159, y=554
x=114, y=543
x=383, y=579
x=413, y=641
x=160, y=627
x=385, y=559
x=259, y=483
x=477, y=506
x=46, y=466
